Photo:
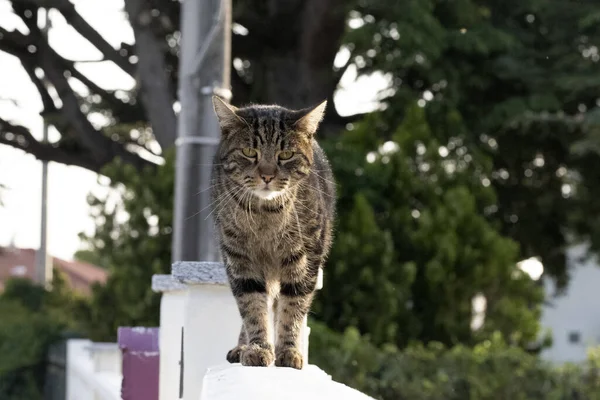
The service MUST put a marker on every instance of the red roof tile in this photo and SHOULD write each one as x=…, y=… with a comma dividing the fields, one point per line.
x=16, y=262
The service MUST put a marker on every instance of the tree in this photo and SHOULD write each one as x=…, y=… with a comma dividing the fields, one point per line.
x=413, y=242
x=522, y=75
x=266, y=62
x=133, y=241
x=81, y=143
x=518, y=76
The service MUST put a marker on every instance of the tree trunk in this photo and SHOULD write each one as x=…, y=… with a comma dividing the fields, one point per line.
x=291, y=47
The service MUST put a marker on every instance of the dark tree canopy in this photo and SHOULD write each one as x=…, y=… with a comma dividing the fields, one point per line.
x=518, y=77
x=522, y=76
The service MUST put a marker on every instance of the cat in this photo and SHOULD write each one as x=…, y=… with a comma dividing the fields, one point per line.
x=274, y=206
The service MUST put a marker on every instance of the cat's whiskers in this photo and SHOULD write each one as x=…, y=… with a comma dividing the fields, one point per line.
x=314, y=212
x=251, y=222
x=224, y=200
x=298, y=222
x=218, y=184
x=209, y=165
x=307, y=185
x=210, y=205
x=321, y=177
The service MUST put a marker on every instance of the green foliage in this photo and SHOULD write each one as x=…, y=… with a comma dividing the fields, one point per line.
x=522, y=75
x=491, y=370
x=413, y=242
x=31, y=320
x=133, y=241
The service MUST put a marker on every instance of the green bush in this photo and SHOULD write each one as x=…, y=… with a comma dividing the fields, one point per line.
x=24, y=340
x=491, y=370
x=31, y=320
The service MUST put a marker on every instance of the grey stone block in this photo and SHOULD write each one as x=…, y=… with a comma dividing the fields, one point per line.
x=199, y=272
x=166, y=283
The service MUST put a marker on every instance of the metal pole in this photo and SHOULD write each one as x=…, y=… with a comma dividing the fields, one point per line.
x=204, y=71
x=43, y=266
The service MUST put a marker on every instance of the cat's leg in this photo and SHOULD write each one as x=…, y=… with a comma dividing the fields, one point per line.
x=295, y=298
x=274, y=306
x=250, y=293
x=233, y=356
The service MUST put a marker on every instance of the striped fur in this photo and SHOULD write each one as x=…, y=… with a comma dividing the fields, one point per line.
x=273, y=212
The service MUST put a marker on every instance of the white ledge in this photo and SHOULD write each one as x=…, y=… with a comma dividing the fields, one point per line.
x=233, y=382
x=166, y=283
x=203, y=272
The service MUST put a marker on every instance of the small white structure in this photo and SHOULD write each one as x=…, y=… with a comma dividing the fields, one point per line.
x=93, y=370
x=574, y=317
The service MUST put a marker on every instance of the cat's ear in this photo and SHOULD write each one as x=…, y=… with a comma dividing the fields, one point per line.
x=226, y=114
x=311, y=118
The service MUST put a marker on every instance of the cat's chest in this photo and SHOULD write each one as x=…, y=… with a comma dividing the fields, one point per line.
x=262, y=224
x=267, y=235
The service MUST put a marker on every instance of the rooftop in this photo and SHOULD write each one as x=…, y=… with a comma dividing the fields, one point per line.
x=16, y=262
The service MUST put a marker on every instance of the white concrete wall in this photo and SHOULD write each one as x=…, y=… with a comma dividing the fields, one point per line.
x=210, y=319
x=234, y=382
x=211, y=328
x=197, y=298
x=93, y=370
x=578, y=310
x=172, y=314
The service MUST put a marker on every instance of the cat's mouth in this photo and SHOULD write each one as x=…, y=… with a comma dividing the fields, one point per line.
x=266, y=193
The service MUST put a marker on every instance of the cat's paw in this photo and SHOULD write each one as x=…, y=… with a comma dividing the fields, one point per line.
x=289, y=357
x=234, y=355
x=257, y=355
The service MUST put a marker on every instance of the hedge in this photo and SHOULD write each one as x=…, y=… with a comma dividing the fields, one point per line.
x=491, y=370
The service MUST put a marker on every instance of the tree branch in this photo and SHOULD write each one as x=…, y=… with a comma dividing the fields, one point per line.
x=157, y=94
x=106, y=95
x=15, y=43
x=94, y=148
x=20, y=138
x=68, y=11
x=91, y=138
x=47, y=101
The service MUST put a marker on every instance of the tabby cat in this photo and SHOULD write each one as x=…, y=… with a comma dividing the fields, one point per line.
x=274, y=204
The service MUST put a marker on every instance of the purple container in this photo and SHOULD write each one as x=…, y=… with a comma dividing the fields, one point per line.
x=139, y=347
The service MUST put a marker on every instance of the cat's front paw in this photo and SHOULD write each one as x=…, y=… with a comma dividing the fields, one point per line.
x=257, y=355
x=234, y=355
x=289, y=357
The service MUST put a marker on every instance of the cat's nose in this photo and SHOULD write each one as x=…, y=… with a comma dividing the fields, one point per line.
x=267, y=178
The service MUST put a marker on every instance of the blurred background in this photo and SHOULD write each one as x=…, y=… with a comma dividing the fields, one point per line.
x=464, y=137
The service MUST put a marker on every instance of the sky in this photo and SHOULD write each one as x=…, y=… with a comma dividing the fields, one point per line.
x=68, y=187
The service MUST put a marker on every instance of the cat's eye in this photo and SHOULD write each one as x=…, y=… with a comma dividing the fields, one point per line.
x=286, y=155
x=249, y=152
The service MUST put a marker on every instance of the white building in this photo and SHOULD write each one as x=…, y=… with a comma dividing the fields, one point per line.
x=574, y=317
